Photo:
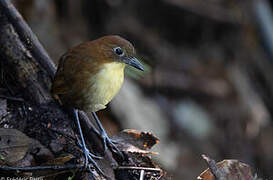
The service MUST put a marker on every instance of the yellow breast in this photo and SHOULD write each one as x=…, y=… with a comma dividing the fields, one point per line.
x=106, y=83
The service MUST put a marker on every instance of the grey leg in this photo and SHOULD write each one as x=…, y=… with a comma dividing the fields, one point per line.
x=107, y=142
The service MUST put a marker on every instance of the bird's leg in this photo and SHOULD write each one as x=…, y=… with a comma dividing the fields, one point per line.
x=88, y=156
x=106, y=140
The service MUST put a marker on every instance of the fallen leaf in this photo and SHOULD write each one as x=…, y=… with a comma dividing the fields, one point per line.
x=60, y=160
x=136, y=141
x=13, y=145
x=232, y=170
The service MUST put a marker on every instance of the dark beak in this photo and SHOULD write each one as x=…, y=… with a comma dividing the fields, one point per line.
x=135, y=63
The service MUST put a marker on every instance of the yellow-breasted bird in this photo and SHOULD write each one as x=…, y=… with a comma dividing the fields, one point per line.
x=90, y=75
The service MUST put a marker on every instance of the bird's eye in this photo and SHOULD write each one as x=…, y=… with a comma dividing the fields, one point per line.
x=119, y=51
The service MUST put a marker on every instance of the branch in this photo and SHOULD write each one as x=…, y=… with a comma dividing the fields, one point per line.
x=217, y=173
x=28, y=37
x=42, y=168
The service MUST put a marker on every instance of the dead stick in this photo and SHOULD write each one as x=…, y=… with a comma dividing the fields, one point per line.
x=139, y=168
x=42, y=168
x=142, y=172
x=217, y=173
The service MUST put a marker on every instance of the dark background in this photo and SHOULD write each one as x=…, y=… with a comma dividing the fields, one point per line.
x=208, y=81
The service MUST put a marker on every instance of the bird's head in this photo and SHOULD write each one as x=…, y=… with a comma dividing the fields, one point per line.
x=115, y=48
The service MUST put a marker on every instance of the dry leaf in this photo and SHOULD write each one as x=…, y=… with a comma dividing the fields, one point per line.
x=13, y=145
x=232, y=170
x=60, y=160
x=136, y=141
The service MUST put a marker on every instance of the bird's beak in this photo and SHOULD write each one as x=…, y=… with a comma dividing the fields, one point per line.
x=135, y=63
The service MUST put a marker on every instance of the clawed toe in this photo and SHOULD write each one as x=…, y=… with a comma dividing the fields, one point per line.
x=114, y=148
x=109, y=143
x=88, y=156
x=89, y=162
x=88, y=153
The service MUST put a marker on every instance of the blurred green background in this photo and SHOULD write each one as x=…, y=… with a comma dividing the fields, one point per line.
x=208, y=81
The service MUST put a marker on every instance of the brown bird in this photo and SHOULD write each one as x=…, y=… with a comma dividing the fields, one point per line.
x=90, y=75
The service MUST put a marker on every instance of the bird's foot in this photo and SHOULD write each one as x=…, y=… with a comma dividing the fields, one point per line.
x=110, y=144
x=86, y=151
x=107, y=142
x=89, y=157
x=89, y=161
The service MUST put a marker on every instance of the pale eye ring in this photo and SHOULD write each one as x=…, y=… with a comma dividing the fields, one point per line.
x=118, y=51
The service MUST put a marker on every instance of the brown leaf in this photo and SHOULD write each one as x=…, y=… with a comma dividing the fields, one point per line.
x=136, y=141
x=231, y=169
x=13, y=145
x=60, y=160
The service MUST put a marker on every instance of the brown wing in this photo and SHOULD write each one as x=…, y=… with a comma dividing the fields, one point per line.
x=74, y=68
x=59, y=82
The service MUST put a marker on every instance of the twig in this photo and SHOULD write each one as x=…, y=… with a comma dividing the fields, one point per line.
x=54, y=174
x=217, y=173
x=139, y=168
x=42, y=168
x=12, y=98
x=142, y=170
x=141, y=175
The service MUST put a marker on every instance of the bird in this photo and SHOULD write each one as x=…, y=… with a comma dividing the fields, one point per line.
x=89, y=76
